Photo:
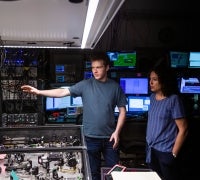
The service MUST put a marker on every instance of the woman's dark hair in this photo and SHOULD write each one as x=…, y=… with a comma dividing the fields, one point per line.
x=167, y=78
x=99, y=55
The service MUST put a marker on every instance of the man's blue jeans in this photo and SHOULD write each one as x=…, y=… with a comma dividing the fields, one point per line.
x=97, y=147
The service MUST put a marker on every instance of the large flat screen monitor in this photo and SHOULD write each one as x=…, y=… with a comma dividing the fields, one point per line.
x=121, y=59
x=190, y=85
x=194, y=60
x=137, y=85
x=138, y=104
x=179, y=59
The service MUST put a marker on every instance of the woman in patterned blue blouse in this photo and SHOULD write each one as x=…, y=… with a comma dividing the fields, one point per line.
x=167, y=125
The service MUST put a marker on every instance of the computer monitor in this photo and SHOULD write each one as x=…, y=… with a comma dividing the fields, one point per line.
x=53, y=104
x=194, y=60
x=116, y=110
x=60, y=68
x=136, y=85
x=190, y=85
x=179, y=59
x=138, y=105
x=122, y=59
x=76, y=101
x=88, y=74
x=87, y=64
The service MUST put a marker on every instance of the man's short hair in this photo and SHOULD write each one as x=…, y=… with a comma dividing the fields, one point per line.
x=100, y=56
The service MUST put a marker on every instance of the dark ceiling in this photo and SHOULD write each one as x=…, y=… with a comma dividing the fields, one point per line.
x=160, y=7
x=153, y=23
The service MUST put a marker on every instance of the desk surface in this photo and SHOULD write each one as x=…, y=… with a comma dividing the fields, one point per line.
x=104, y=171
x=135, y=175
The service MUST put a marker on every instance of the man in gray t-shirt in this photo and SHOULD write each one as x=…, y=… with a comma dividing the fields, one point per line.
x=100, y=96
x=99, y=100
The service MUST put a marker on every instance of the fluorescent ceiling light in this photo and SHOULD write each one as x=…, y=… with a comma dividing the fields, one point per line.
x=91, y=16
x=92, y=7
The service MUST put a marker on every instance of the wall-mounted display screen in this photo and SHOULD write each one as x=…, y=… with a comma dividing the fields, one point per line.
x=194, y=60
x=190, y=85
x=137, y=85
x=120, y=59
x=138, y=104
x=179, y=59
